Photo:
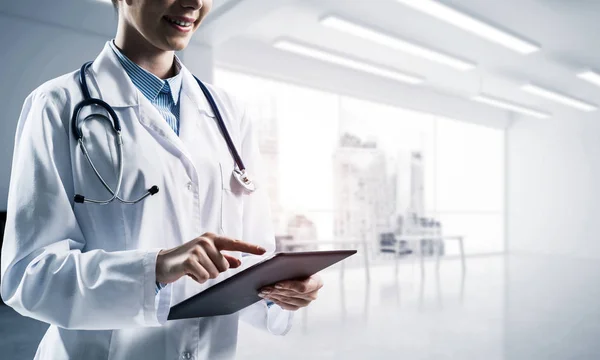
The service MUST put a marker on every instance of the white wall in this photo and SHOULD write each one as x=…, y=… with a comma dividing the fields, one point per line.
x=554, y=186
x=32, y=53
x=198, y=59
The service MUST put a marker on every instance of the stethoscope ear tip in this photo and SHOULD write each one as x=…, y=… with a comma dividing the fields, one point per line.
x=153, y=190
x=80, y=199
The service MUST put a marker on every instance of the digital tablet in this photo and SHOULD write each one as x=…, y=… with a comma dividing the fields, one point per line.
x=241, y=290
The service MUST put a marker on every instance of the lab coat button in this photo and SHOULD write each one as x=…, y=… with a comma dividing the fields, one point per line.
x=186, y=356
x=190, y=186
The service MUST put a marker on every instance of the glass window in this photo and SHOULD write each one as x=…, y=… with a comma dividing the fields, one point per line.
x=369, y=169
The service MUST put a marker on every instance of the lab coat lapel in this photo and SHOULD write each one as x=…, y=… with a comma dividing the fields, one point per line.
x=112, y=84
x=197, y=119
x=151, y=118
x=188, y=119
x=117, y=89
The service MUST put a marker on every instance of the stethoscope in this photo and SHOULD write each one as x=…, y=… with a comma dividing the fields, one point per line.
x=239, y=174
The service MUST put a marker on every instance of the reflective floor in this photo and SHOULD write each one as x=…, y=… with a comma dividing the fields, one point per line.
x=435, y=315
x=515, y=307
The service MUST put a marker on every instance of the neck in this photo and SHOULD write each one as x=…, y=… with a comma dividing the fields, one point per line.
x=152, y=59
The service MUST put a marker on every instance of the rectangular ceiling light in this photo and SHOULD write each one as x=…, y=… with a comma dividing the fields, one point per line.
x=468, y=23
x=590, y=76
x=345, y=62
x=559, y=98
x=503, y=104
x=339, y=24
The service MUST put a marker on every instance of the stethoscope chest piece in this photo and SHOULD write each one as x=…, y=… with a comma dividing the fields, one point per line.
x=244, y=180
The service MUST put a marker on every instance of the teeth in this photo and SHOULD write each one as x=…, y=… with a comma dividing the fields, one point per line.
x=180, y=23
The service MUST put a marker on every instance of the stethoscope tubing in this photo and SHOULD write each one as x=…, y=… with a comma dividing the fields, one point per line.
x=116, y=126
x=221, y=123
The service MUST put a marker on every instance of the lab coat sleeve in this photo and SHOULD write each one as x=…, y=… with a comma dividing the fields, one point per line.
x=258, y=229
x=46, y=272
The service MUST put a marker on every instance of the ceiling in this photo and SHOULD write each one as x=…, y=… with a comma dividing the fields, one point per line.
x=242, y=31
x=565, y=30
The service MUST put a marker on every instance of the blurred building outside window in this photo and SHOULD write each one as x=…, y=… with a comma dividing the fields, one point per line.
x=340, y=168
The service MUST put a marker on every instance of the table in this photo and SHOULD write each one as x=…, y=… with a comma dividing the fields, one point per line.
x=438, y=240
x=287, y=244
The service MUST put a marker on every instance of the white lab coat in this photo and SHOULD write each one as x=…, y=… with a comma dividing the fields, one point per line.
x=89, y=270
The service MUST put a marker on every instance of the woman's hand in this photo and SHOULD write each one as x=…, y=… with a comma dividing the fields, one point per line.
x=293, y=294
x=201, y=259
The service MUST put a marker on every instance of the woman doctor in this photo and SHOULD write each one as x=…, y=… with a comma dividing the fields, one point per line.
x=105, y=276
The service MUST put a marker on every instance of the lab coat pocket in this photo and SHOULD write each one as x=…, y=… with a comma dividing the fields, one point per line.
x=232, y=203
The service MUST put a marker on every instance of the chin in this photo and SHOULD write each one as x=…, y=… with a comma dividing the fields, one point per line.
x=178, y=46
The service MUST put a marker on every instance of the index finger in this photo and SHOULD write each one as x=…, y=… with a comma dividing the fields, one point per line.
x=223, y=243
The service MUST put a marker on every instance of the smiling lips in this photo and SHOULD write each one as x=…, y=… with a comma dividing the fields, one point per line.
x=183, y=24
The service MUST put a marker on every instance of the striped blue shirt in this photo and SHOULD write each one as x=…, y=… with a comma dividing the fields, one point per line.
x=163, y=94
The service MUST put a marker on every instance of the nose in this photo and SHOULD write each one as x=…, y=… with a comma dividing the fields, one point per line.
x=192, y=4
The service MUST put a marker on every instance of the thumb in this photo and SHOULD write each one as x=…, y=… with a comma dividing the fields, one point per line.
x=233, y=261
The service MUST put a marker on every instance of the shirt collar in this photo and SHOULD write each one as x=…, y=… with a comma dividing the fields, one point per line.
x=149, y=84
